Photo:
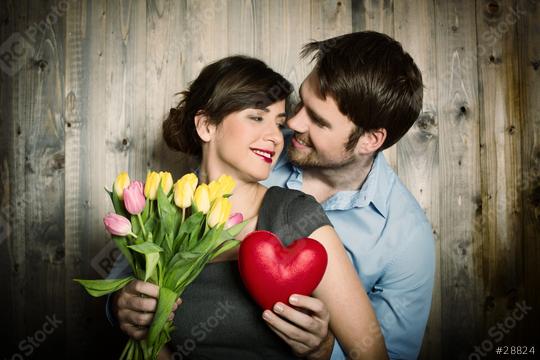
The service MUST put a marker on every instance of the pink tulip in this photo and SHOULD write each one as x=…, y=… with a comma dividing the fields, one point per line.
x=117, y=224
x=134, y=199
x=234, y=219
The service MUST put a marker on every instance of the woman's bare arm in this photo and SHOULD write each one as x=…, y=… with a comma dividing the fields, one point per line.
x=352, y=319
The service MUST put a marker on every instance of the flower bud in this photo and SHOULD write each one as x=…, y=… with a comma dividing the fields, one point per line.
x=227, y=184
x=152, y=183
x=134, y=199
x=234, y=219
x=201, y=198
x=166, y=181
x=117, y=224
x=121, y=182
x=219, y=213
x=183, y=193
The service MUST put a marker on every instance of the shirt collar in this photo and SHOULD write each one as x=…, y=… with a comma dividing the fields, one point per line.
x=374, y=191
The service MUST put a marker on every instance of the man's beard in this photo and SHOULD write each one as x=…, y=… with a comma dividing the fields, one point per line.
x=313, y=160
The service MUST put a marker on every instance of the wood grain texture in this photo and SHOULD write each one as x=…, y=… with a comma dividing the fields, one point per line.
x=500, y=157
x=457, y=103
x=88, y=97
x=529, y=97
x=418, y=152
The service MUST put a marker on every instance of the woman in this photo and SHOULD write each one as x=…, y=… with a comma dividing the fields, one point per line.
x=231, y=118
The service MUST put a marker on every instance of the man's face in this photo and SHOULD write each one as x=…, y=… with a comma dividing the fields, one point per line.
x=321, y=130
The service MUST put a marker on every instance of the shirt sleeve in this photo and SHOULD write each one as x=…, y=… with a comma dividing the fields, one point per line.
x=121, y=269
x=402, y=299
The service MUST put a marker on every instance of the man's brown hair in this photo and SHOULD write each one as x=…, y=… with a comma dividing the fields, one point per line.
x=373, y=80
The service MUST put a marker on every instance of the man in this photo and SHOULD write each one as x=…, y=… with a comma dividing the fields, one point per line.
x=363, y=95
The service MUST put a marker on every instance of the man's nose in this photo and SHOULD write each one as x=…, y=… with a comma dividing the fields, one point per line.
x=299, y=122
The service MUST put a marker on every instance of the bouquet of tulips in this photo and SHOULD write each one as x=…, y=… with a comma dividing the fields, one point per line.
x=167, y=233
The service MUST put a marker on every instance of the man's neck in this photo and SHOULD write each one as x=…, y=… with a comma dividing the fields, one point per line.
x=323, y=183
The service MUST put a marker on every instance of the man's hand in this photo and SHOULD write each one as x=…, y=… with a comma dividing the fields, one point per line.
x=305, y=328
x=134, y=307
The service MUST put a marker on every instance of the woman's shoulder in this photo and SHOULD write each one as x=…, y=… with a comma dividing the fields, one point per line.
x=286, y=196
x=292, y=212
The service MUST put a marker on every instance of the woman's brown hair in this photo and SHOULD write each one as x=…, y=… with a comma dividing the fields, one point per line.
x=229, y=85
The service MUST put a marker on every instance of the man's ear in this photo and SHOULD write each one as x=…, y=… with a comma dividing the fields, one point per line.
x=371, y=141
x=204, y=128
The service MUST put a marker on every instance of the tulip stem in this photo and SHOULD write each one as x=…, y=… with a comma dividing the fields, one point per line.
x=183, y=215
x=142, y=225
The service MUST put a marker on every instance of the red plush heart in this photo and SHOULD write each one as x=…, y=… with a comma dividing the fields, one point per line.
x=272, y=272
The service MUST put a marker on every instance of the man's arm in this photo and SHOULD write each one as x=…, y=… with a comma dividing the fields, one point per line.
x=402, y=299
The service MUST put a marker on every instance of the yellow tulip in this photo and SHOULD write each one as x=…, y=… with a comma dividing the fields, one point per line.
x=191, y=179
x=166, y=181
x=152, y=183
x=214, y=189
x=202, y=198
x=121, y=182
x=219, y=213
x=227, y=184
x=183, y=193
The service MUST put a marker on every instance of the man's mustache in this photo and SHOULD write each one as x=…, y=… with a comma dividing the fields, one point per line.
x=303, y=138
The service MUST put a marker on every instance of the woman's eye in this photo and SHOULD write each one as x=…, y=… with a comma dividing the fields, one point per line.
x=256, y=118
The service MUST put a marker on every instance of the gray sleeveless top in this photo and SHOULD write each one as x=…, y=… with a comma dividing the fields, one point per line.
x=218, y=319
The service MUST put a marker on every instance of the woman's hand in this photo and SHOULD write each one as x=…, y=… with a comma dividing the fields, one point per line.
x=304, y=327
x=134, y=307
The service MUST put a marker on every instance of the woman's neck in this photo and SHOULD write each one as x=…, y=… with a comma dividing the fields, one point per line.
x=247, y=196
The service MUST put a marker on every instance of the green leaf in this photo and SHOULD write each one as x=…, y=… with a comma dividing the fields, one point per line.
x=166, y=211
x=160, y=235
x=166, y=301
x=118, y=204
x=231, y=232
x=192, y=222
x=102, y=287
x=150, y=224
x=146, y=248
x=151, y=255
x=122, y=245
x=146, y=211
x=227, y=245
x=151, y=262
x=181, y=242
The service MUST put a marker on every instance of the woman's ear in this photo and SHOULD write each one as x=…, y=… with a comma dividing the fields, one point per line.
x=204, y=128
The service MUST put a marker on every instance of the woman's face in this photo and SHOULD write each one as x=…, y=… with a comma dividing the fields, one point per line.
x=248, y=143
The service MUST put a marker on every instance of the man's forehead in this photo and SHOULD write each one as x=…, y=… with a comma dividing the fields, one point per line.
x=312, y=83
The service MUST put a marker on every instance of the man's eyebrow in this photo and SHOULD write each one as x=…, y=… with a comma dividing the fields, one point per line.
x=316, y=118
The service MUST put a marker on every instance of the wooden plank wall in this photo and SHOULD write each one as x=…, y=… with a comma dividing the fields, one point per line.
x=90, y=82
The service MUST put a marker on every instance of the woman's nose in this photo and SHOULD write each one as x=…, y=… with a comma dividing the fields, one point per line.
x=274, y=134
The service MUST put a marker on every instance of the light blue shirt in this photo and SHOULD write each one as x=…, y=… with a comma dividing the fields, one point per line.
x=390, y=242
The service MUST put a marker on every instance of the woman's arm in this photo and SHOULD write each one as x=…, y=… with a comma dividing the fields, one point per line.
x=352, y=319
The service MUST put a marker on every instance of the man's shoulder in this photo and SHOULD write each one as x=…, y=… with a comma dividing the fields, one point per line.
x=403, y=203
